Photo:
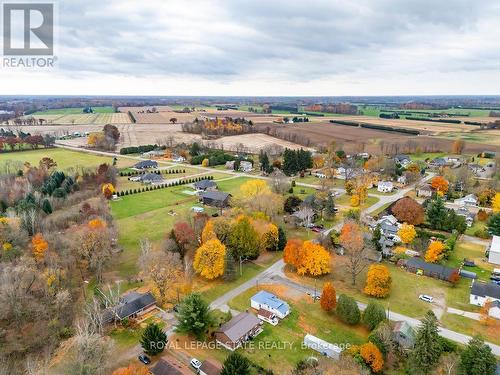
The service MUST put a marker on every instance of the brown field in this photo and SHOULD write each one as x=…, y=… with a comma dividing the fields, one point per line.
x=426, y=127
x=85, y=119
x=159, y=108
x=353, y=139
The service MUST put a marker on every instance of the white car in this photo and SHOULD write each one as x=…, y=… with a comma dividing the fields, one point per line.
x=195, y=363
x=426, y=298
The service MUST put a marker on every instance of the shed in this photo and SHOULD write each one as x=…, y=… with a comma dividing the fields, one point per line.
x=404, y=334
x=325, y=348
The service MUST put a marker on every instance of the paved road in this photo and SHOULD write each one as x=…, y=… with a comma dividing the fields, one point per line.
x=275, y=272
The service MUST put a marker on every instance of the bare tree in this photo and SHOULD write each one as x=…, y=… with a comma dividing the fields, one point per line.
x=305, y=214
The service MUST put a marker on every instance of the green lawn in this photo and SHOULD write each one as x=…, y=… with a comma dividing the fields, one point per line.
x=473, y=252
x=306, y=317
x=475, y=227
x=472, y=327
x=64, y=158
x=426, y=155
x=73, y=111
x=374, y=190
x=345, y=200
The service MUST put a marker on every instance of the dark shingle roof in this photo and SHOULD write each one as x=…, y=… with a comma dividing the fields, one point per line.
x=146, y=164
x=211, y=367
x=445, y=272
x=204, y=184
x=151, y=177
x=214, y=195
x=132, y=303
x=169, y=367
x=485, y=290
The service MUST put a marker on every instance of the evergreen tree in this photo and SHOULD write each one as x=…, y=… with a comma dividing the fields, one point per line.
x=153, y=340
x=377, y=235
x=330, y=206
x=304, y=159
x=437, y=213
x=281, y=238
x=494, y=225
x=348, y=310
x=373, y=315
x=264, y=162
x=195, y=149
x=236, y=364
x=290, y=162
x=477, y=359
x=46, y=207
x=194, y=316
x=230, y=267
x=427, y=348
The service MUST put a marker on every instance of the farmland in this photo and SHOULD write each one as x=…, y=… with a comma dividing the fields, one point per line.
x=72, y=111
x=83, y=118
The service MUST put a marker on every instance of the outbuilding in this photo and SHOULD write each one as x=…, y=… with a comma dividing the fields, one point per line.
x=325, y=348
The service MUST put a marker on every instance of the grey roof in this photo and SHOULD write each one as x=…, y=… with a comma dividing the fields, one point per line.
x=151, y=177
x=170, y=367
x=401, y=157
x=485, y=289
x=239, y=326
x=204, y=184
x=132, y=303
x=439, y=161
x=215, y=195
x=146, y=164
x=444, y=272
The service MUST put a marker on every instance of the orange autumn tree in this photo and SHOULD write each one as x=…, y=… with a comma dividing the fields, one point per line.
x=372, y=356
x=132, y=369
x=209, y=259
x=292, y=252
x=328, y=299
x=96, y=224
x=40, y=246
x=315, y=260
x=439, y=184
x=378, y=281
x=407, y=233
x=435, y=252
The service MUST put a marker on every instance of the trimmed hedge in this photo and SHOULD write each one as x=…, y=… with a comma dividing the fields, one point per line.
x=161, y=171
x=450, y=121
x=163, y=186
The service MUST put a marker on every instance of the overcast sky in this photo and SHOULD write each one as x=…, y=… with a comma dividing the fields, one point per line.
x=270, y=47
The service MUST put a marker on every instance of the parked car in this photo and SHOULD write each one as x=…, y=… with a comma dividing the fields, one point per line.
x=426, y=298
x=144, y=359
x=317, y=228
x=195, y=363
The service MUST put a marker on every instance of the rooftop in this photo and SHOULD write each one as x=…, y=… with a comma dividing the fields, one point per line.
x=272, y=301
x=485, y=289
x=239, y=326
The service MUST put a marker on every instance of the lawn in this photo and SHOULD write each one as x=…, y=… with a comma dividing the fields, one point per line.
x=73, y=111
x=478, y=225
x=374, y=190
x=345, y=200
x=65, y=159
x=472, y=327
x=279, y=347
x=426, y=155
x=473, y=252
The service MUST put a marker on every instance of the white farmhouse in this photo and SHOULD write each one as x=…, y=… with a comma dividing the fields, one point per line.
x=468, y=200
x=482, y=293
x=385, y=186
x=494, y=251
x=269, y=302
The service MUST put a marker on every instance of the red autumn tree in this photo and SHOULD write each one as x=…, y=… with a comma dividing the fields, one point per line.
x=407, y=210
x=328, y=299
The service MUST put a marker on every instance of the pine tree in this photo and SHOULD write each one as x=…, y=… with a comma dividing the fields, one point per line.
x=194, y=316
x=427, y=348
x=373, y=315
x=477, y=359
x=236, y=364
x=494, y=225
x=46, y=207
x=264, y=162
x=153, y=339
x=348, y=310
x=437, y=213
x=330, y=206
x=230, y=268
x=281, y=239
x=377, y=235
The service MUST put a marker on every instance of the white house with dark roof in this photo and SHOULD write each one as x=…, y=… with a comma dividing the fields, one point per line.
x=482, y=293
x=468, y=200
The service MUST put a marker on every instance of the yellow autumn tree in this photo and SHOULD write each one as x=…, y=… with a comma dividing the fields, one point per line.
x=39, y=245
x=407, y=233
x=108, y=190
x=270, y=237
x=292, y=252
x=208, y=232
x=495, y=203
x=355, y=200
x=315, y=260
x=253, y=188
x=209, y=259
x=361, y=192
x=378, y=281
x=435, y=252
x=205, y=163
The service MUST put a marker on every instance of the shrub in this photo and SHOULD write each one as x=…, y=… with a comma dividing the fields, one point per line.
x=348, y=310
x=373, y=315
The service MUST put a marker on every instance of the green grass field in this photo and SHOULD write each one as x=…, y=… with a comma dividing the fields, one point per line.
x=305, y=317
x=375, y=111
x=65, y=159
x=73, y=111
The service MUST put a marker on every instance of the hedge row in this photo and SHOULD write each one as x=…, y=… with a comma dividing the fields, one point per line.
x=348, y=123
x=434, y=120
x=472, y=123
x=390, y=129
x=162, y=186
x=162, y=171
x=137, y=150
